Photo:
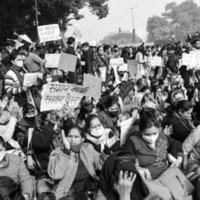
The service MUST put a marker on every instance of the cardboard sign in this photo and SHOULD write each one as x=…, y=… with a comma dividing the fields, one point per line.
x=56, y=95
x=95, y=85
x=133, y=68
x=115, y=63
x=67, y=62
x=49, y=33
x=124, y=128
x=156, y=61
x=52, y=60
x=30, y=79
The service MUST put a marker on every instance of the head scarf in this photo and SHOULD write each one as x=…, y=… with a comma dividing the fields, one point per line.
x=110, y=173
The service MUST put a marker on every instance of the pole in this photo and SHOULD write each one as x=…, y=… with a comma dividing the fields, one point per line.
x=36, y=18
x=133, y=24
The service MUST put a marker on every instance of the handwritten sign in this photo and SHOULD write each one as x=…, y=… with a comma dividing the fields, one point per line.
x=56, y=95
x=114, y=64
x=30, y=79
x=132, y=67
x=52, y=60
x=95, y=85
x=67, y=62
x=49, y=33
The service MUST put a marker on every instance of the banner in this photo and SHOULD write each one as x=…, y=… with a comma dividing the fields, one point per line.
x=30, y=79
x=95, y=85
x=67, y=62
x=49, y=33
x=52, y=60
x=56, y=95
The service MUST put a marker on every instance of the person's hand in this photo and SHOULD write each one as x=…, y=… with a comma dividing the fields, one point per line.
x=65, y=140
x=178, y=162
x=26, y=196
x=168, y=130
x=144, y=172
x=30, y=162
x=16, y=85
x=125, y=184
x=14, y=109
x=135, y=114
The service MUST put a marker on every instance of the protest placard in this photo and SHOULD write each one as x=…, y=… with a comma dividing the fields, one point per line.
x=124, y=128
x=95, y=85
x=114, y=64
x=67, y=62
x=49, y=33
x=133, y=68
x=156, y=61
x=30, y=79
x=56, y=95
x=52, y=60
x=190, y=60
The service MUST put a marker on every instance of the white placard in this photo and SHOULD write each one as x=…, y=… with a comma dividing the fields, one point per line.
x=49, y=32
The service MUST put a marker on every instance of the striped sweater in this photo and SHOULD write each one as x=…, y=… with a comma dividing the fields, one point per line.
x=13, y=84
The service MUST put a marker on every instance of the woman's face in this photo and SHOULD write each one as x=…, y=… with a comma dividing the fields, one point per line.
x=95, y=124
x=18, y=61
x=74, y=137
x=150, y=135
x=114, y=110
x=188, y=114
x=100, y=51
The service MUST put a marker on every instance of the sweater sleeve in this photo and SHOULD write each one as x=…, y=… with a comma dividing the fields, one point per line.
x=26, y=181
x=7, y=131
x=175, y=147
x=57, y=164
x=191, y=140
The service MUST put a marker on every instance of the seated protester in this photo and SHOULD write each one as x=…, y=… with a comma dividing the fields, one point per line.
x=118, y=168
x=8, y=120
x=27, y=122
x=12, y=166
x=74, y=166
x=109, y=115
x=85, y=110
x=153, y=150
x=14, y=79
x=39, y=151
x=181, y=121
x=9, y=189
x=102, y=139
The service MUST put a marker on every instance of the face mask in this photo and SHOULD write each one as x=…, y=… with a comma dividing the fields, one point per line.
x=151, y=140
x=113, y=113
x=97, y=132
x=2, y=155
x=20, y=63
x=76, y=148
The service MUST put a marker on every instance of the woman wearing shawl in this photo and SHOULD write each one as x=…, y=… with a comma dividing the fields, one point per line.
x=102, y=139
x=155, y=151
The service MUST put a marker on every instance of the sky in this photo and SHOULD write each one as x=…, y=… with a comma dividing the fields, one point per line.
x=120, y=17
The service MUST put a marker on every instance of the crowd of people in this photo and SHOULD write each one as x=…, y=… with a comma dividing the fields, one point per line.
x=80, y=154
